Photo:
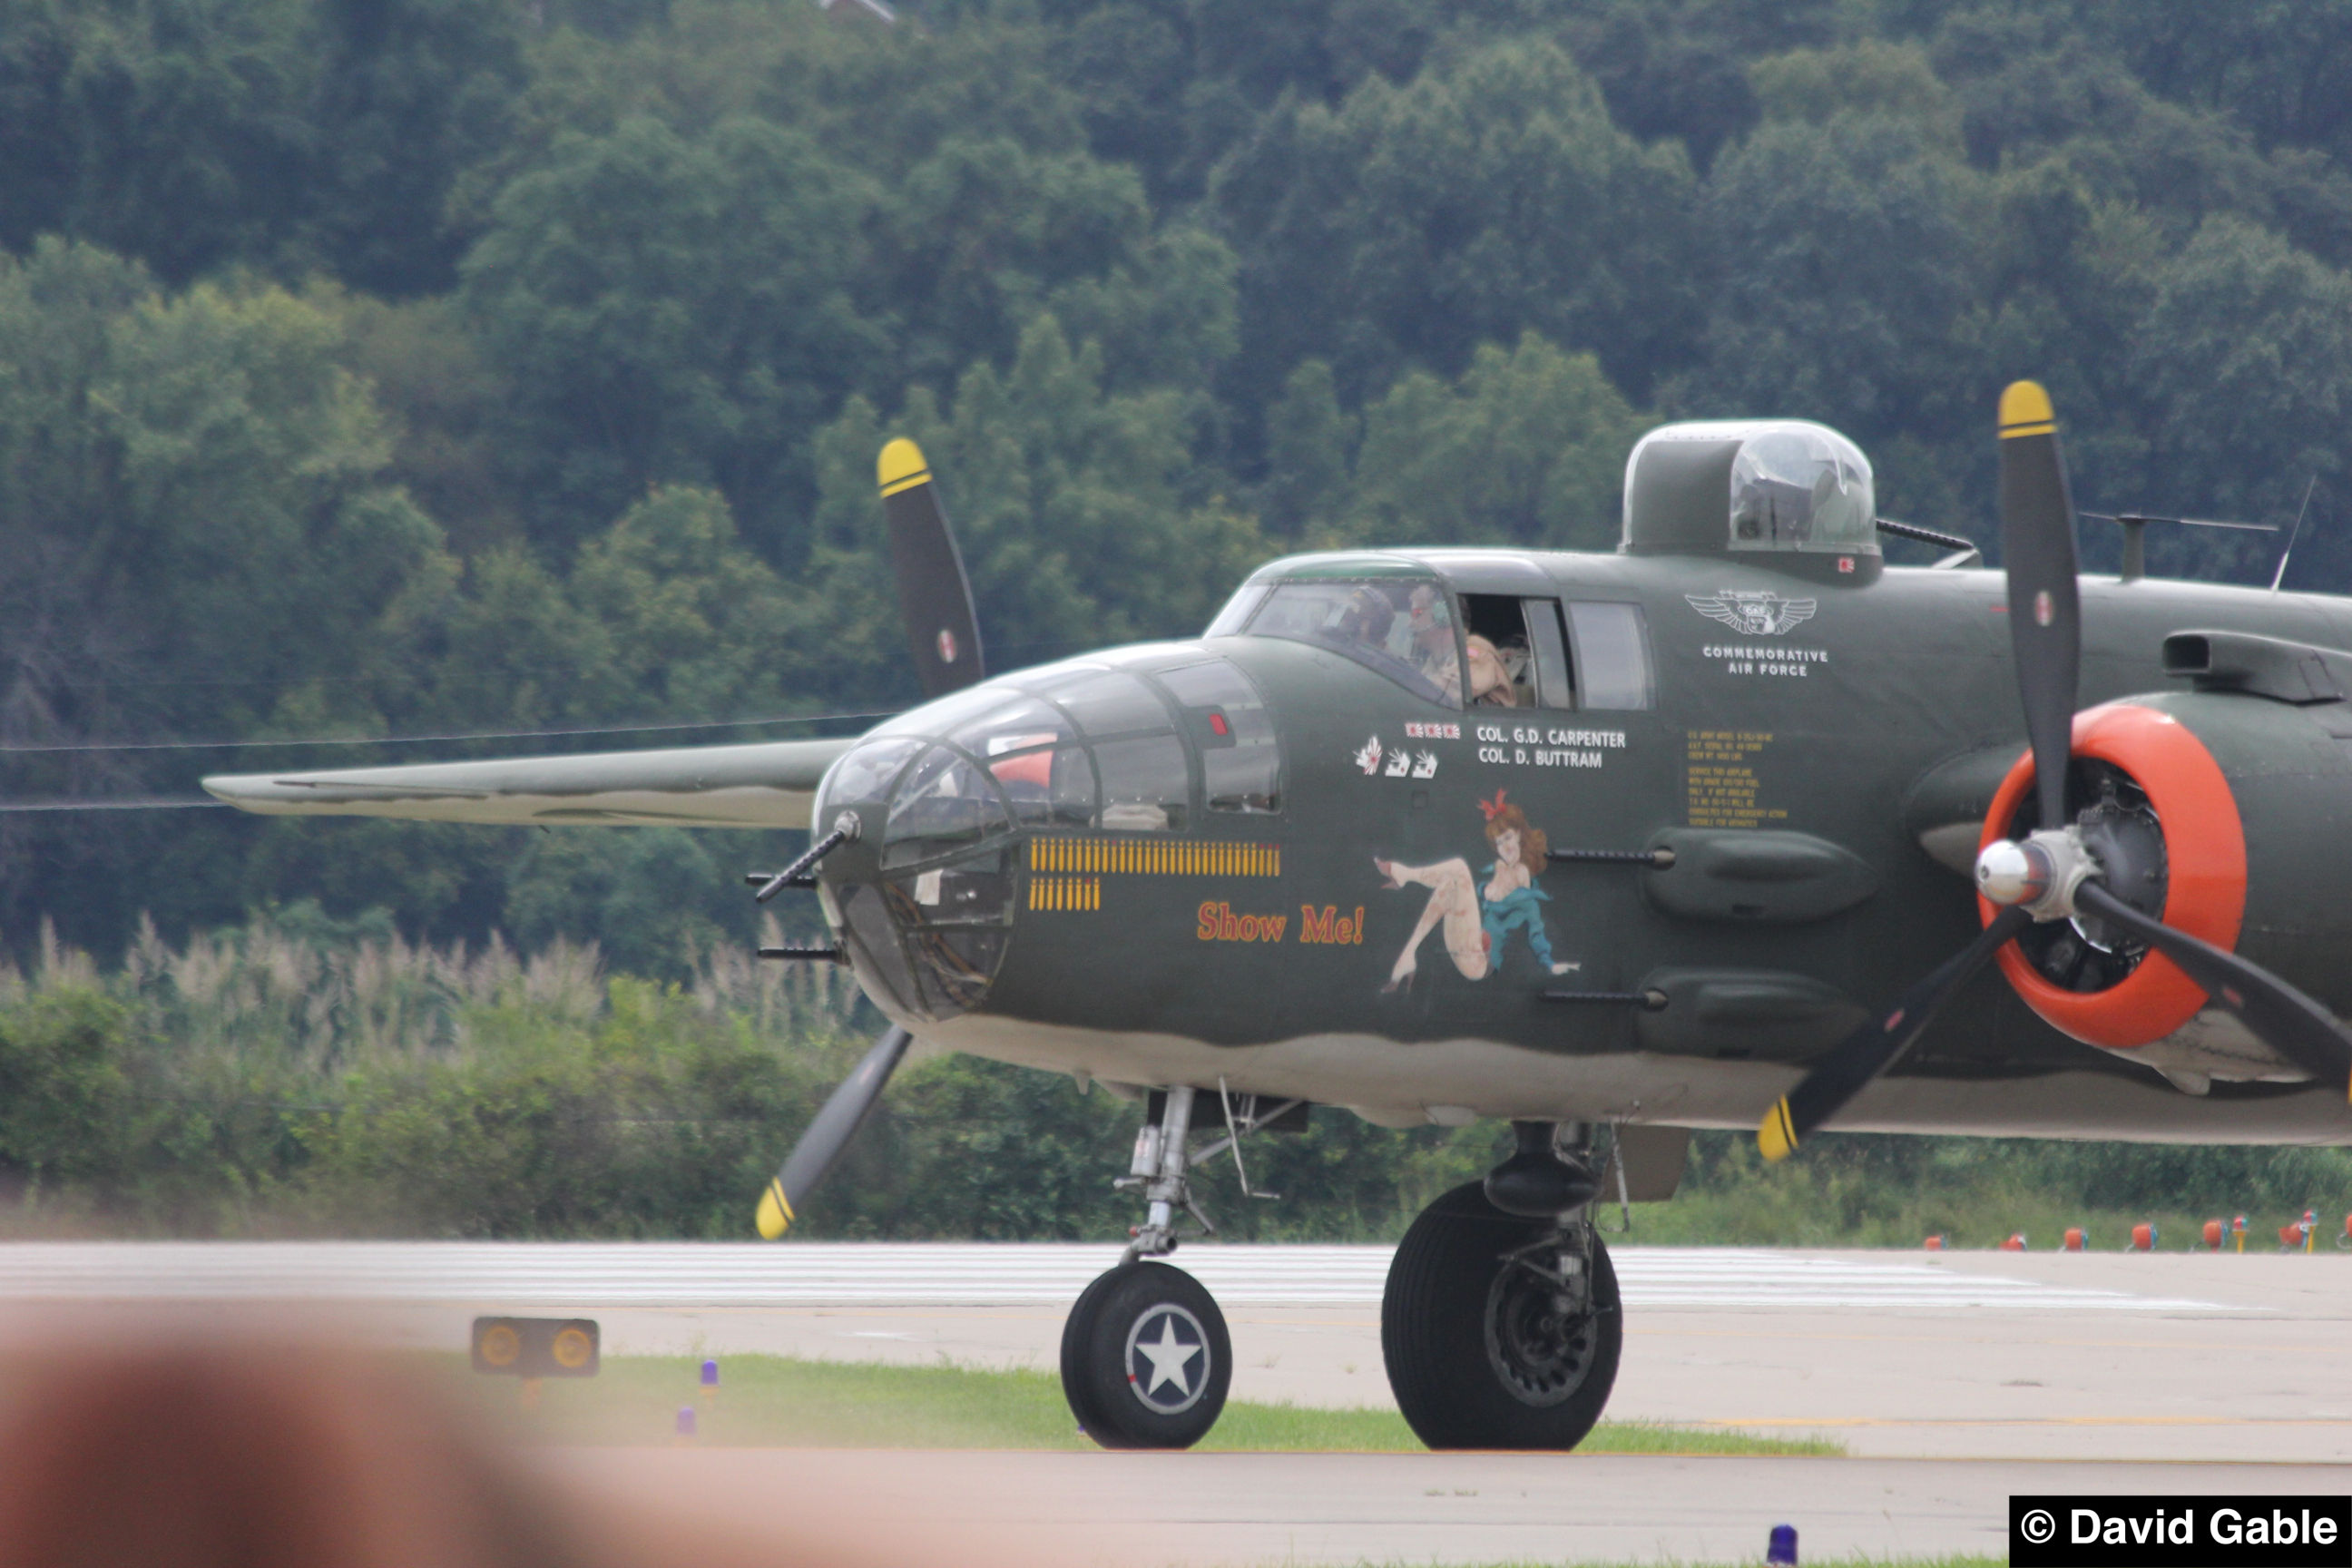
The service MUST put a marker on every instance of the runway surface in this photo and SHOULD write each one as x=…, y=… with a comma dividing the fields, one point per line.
x=1149, y=1511
x=803, y=1273
x=2174, y=1356
x=1953, y=1378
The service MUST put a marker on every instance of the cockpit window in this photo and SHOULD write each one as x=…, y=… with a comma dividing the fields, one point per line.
x=1401, y=626
x=1238, y=610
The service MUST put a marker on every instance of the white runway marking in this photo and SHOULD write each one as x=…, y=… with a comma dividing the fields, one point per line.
x=802, y=1274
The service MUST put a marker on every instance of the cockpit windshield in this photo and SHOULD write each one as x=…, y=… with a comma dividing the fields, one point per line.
x=1401, y=626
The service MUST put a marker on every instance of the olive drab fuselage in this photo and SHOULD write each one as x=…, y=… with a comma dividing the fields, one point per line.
x=1819, y=739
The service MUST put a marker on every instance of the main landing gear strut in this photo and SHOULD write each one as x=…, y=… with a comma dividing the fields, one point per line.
x=1499, y=1323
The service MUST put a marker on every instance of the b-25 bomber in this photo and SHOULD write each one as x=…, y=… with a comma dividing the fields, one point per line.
x=1738, y=826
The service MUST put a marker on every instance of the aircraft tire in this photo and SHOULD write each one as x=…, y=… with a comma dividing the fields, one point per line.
x=1471, y=1357
x=1124, y=1395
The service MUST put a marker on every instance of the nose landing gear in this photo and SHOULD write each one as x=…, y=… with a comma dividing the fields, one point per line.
x=1145, y=1358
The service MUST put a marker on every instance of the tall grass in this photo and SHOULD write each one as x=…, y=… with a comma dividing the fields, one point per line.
x=296, y=1075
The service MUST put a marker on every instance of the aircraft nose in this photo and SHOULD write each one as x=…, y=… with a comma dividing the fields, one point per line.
x=921, y=904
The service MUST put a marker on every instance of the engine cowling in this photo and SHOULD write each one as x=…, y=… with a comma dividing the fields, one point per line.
x=2226, y=815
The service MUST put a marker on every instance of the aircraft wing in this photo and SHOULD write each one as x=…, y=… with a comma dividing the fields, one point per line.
x=766, y=784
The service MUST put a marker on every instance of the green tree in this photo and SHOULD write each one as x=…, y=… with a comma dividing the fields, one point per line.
x=410, y=94
x=1310, y=447
x=2244, y=369
x=1488, y=196
x=175, y=133
x=1849, y=252
x=675, y=310
x=202, y=546
x=1528, y=449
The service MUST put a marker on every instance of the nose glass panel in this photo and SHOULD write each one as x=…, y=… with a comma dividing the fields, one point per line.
x=943, y=805
x=861, y=777
x=925, y=928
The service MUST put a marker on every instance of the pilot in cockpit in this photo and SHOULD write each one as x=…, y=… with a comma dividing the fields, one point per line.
x=1431, y=627
x=1366, y=618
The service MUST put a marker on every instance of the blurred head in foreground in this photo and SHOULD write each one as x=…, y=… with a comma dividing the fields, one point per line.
x=200, y=1452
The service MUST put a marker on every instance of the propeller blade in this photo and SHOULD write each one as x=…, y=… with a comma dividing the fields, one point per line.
x=2283, y=1018
x=934, y=595
x=830, y=1133
x=1875, y=1044
x=2045, y=608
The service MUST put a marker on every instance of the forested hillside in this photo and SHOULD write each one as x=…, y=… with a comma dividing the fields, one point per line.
x=475, y=376
x=424, y=367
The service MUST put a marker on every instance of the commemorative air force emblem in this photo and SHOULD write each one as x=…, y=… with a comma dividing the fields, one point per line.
x=1752, y=612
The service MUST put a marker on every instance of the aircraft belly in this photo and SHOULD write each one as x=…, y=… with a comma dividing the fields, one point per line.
x=1448, y=1082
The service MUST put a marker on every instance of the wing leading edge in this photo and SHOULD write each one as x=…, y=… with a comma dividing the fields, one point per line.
x=768, y=784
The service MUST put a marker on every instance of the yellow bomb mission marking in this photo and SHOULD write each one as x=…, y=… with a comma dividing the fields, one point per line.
x=1219, y=923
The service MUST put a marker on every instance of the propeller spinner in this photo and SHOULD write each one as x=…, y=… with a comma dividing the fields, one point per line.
x=2054, y=872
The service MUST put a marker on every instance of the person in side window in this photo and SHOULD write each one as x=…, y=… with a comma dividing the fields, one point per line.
x=1490, y=679
x=1480, y=913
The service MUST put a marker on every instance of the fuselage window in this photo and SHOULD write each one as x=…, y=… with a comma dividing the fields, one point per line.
x=1112, y=703
x=1611, y=644
x=1502, y=660
x=1019, y=724
x=1402, y=627
x=1147, y=786
x=1241, y=759
x=1555, y=682
x=1049, y=788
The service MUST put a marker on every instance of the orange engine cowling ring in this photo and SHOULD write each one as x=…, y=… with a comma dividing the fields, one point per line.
x=2205, y=848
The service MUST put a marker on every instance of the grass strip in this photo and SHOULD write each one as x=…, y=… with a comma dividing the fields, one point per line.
x=780, y=1401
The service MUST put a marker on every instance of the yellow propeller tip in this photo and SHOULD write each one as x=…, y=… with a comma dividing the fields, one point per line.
x=2025, y=410
x=902, y=467
x=1776, y=1136
x=775, y=1216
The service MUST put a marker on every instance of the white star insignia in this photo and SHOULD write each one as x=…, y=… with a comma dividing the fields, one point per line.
x=1168, y=1358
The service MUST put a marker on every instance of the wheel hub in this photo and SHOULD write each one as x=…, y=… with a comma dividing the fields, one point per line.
x=1541, y=1330
x=1167, y=1359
